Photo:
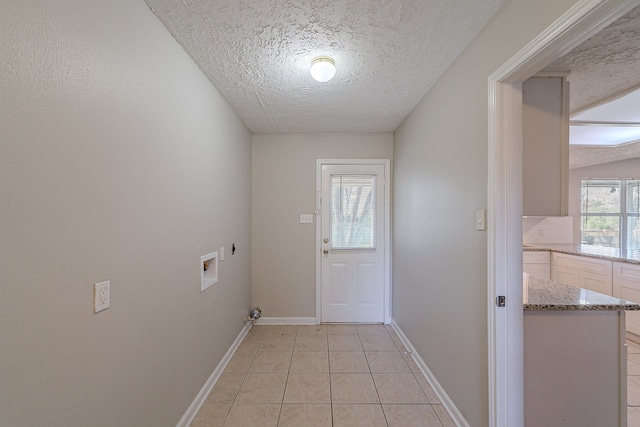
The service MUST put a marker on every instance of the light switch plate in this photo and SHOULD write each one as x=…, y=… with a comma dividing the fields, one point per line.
x=481, y=216
x=306, y=218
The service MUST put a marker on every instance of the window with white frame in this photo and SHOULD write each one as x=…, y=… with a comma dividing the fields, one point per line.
x=353, y=211
x=610, y=209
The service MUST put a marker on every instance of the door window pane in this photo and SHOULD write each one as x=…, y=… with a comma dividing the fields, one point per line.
x=353, y=211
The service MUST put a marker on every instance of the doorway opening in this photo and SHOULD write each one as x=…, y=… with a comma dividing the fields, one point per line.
x=584, y=19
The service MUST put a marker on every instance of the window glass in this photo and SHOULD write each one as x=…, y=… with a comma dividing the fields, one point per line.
x=633, y=233
x=352, y=211
x=633, y=196
x=610, y=210
x=602, y=196
x=601, y=212
x=633, y=212
x=601, y=231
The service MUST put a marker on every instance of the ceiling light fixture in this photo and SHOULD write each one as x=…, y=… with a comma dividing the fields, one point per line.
x=323, y=68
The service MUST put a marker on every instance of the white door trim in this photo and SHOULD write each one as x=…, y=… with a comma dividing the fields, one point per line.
x=585, y=18
x=387, y=229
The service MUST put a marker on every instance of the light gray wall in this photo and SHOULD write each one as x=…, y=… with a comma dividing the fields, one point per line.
x=629, y=168
x=118, y=161
x=542, y=148
x=440, y=180
x=284, y=186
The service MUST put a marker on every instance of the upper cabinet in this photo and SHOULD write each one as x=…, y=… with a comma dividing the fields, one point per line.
x=545, y=151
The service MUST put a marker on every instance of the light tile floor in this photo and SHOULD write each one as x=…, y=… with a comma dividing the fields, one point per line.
x=633, y=384
x=325, y=375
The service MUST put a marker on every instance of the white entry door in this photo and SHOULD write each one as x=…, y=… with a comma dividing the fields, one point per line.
x=353, y=242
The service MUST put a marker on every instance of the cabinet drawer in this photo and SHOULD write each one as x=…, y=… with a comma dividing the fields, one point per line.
x=626, y=271
x=565, y=275
x=629, y=290
x=633, y=321
x=586, y=264
x=540, y=270
x=535, y=257
x=597, y=283
x=625, y=289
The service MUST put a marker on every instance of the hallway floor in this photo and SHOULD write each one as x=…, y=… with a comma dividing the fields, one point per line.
x=323, y=375
x=633, y=384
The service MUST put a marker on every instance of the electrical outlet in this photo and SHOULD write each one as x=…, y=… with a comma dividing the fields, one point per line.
x=101, y=296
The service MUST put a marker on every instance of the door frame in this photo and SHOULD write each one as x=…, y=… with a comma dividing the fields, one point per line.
x=387, y=230
x=505, y=333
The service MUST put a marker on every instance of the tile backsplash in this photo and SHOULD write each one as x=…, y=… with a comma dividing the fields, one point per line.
x=547, y=229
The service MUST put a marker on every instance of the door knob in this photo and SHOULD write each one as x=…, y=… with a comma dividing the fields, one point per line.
x=326, y=240
x=326, y=251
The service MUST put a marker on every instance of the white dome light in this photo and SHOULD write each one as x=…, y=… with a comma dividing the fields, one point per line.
x=323, y=68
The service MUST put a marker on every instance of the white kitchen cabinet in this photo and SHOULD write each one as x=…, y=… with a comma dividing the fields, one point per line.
x=584, y=272
x=575, y=366
x=626, y=285
x=566, y=275
x=545, y=146
x=537, y=263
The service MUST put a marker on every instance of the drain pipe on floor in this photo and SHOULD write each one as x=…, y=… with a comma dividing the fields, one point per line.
x=255, y=315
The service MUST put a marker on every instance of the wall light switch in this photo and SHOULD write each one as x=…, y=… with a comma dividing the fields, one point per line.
x=481, y=216
x=306, y=218
x=222, y=253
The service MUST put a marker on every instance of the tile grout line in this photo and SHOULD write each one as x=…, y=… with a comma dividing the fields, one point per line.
x=329, y=373
x=262, y=338
x=374, y=382
x=244, y=378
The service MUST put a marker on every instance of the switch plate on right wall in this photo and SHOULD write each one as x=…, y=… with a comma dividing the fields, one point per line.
x=306, y=218
x=481, y=220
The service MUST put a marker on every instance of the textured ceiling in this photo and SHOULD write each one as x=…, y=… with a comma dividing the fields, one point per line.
x=606, y=64
x=589, y=156
x=602, y=67
x=388, y=54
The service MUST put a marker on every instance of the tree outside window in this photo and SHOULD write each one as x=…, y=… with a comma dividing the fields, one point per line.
x=610, y=212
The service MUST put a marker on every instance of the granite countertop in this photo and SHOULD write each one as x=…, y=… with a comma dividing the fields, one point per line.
x=631, y=256
x=547, y=295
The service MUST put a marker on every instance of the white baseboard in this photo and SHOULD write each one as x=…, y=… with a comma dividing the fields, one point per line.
x=286, y=321
x=447, y=403
x=195, y=406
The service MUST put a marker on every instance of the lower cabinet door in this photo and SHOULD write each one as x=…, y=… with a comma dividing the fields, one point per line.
x=597, y=283
x=626, y=285
x=566, y=275
x=540, y=270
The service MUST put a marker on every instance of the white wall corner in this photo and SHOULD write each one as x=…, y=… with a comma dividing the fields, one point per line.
x=192, y=410
x=446, y=401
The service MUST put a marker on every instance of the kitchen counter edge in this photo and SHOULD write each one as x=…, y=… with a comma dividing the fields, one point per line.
x=611, y=254
x=541, y=294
